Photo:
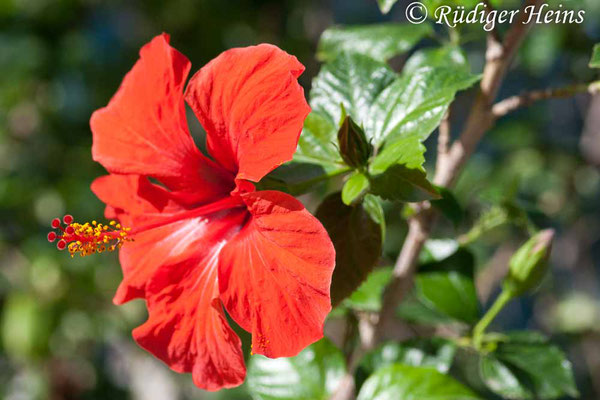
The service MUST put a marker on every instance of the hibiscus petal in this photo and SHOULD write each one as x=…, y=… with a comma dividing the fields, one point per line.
x=186, y=326
x=274, y=276
x=143, y=130
x=250, y=104
x=130, y=196
x=171, y=243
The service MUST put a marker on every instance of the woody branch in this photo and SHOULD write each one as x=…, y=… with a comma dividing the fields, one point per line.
x=451, y=158
x=525, y=99
x=499, y=56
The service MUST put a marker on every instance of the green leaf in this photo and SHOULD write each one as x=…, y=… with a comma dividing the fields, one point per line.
x=372, y=205
x=444, y=56
x=448, y=286
x=368, y=295
x=397, y=112
x=353, y=81
x=406, y=382
x=595, y=60
x=315, y=373
x=354, y=187
x=317, y=143
x=408, y=110
x=489, y=220
x=407, y=151
x=357, y=239
x=432, y=5
x=414, y=310
x=414, y=104
x=378, y=41
x=449, y=206
x=437, y=250
x=526, y=366
x=399, y=183
x=386, y=5
x=500, y=379
x=434, y=352
x=444, y=291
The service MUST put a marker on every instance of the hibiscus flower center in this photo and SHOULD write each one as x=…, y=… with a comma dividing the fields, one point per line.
x=90, y=238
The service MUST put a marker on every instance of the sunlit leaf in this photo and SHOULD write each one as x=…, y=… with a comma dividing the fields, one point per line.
x=317, y=143
x=396, y=112
x=437, y=250
x=351, y=80
x=378, y=41
x=526, y=366
x=444, y=56
x=354, y=187
x=408, y=151
x=315, y=373
x=434, y=352
x=414, y=104
x=406, y=382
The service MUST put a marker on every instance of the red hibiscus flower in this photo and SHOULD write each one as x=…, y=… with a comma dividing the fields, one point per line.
x=204, y=238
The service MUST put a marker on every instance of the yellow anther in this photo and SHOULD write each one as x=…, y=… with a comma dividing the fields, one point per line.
x=86, y=239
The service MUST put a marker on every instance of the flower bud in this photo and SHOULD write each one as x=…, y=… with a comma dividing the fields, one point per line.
x=355, y=149
x=528, y=265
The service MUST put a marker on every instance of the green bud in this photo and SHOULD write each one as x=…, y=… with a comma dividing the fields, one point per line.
x=528, y=265
x=355, y=149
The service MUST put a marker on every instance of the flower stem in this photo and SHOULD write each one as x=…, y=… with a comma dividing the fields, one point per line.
x=489, y=316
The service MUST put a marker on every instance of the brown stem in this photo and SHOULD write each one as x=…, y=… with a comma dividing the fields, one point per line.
x=402, y=276
x=498, y=58
x=513, y=103
x=493, y=32
x=445, y=135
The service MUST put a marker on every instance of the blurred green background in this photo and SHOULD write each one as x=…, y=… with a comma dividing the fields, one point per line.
x=61, y=336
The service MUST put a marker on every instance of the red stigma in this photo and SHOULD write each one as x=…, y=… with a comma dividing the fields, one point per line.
x=88, y=238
